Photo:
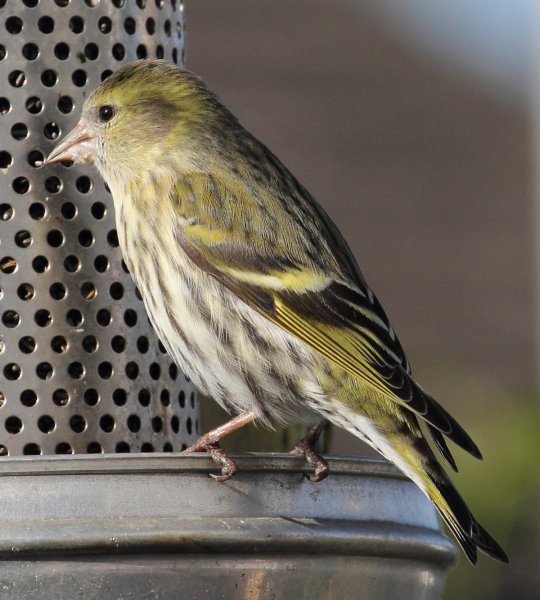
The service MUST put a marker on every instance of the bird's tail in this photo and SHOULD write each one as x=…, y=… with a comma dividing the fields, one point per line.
x=421, y=465
x=470, y=535
x=406, y=447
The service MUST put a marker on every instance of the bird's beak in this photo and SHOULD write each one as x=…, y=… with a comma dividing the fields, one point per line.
x=79, y=145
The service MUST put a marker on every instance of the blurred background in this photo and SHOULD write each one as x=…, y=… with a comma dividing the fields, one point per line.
x=414, y=123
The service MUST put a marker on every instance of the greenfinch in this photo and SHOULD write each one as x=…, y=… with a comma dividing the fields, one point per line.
x=250, y=285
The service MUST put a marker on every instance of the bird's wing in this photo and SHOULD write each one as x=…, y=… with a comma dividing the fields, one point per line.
x=280, y=253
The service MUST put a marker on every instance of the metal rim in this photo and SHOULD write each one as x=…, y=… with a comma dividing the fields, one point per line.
x=194, y=463
x=231, y=536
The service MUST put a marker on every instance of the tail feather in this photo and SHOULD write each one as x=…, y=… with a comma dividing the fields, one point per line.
x=465, y=543
x=488, y=545
x=468, y=532
x=409, y=450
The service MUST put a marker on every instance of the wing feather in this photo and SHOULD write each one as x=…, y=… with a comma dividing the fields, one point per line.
x=280, y=253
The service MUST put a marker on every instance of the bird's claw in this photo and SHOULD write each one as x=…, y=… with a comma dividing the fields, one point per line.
x=322, y=468
x=221, y=478
x=306, y=446
x=218, y=455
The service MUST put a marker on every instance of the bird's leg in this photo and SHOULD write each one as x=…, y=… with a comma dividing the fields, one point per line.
x=306, y=446
x=209, y=442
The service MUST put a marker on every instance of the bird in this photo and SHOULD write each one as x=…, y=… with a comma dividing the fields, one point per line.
x=251, y=287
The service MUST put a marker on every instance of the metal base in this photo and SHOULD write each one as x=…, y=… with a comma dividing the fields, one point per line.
x=157, y=527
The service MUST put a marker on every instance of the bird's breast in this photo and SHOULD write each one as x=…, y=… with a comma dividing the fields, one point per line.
x=230, y=351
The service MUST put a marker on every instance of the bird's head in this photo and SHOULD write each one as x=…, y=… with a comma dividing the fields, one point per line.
x=141, y=116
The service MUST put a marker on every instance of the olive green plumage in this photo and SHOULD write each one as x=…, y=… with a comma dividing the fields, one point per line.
x=250, y=285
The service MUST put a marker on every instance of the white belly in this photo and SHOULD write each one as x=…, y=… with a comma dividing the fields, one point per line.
x=231, y=352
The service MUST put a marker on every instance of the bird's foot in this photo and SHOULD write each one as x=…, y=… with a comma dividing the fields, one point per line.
x=218, y=455
x=209, y=442
x=306, y=446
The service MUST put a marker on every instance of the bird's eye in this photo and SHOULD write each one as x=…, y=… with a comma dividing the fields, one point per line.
x=105, y=113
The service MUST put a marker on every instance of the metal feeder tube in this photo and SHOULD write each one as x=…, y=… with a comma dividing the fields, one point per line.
x=81, y=368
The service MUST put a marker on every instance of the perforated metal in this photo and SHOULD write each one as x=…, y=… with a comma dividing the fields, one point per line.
x=80, y=368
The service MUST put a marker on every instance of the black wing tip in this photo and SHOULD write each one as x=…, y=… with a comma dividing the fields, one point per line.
x=475, y=451
x=442, y=420
x=440, y=442
x=460, y=437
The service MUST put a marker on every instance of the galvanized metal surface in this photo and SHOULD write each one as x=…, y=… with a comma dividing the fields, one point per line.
x=80, y=367
x=158, y=527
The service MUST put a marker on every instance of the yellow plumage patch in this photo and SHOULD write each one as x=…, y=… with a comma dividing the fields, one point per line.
x=338, y=345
